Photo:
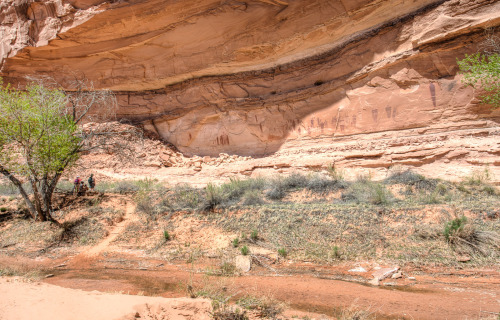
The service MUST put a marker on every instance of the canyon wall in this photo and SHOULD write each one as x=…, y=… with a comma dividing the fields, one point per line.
x=368, y=79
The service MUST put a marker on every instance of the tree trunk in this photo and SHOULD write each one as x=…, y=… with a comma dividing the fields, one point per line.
x=19, y=186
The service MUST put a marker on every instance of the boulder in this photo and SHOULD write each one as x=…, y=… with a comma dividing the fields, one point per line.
x=383, y=273
x=243, y=263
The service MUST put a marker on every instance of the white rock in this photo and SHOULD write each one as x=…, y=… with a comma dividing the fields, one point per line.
x=358, y=269
x=243, y=263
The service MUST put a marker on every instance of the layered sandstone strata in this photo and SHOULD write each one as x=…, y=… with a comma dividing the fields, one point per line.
x=281, y=77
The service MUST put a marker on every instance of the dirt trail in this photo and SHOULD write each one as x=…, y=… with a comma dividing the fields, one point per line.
x=92, y=253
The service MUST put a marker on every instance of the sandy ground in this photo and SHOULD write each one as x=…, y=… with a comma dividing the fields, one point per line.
x=21, y=300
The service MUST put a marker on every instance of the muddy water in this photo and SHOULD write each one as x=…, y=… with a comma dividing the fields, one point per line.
x=303, y=293
x=123, y=281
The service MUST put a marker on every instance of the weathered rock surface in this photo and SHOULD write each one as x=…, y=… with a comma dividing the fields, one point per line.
x=243, y=263
x=369, y=83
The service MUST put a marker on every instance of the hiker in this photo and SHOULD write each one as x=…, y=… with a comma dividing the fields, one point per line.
x=77, y=184
x=82, y=189
x=91, y=182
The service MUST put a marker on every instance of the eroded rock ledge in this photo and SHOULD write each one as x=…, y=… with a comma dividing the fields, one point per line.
x=271, y=77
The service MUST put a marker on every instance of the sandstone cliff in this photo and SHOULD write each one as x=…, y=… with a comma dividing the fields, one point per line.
x=368, y=83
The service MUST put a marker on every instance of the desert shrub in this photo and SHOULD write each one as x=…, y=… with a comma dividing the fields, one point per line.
x=125, y=186
x=410, y=178
x=3, y=209
x=151, y=199
x=231, y=193
x=265, y=307
x=478, y=177
x=334, y=173
x=454, y=226
x=465, y=238
x=435, y=196
x=65, y=186
x=227, y=269
x=166, y=235
x=146, y=203
x=336, y=252
x=235, y=242
x=321, y=184
x=295, y=181
x=252, y=198
x=254, y=236
x=236, y=188
x=213, y=197
x=282, y=252
x=489, y=190
x=278, y=186
x=26, y=271
x=228, y=313
x=186, y=197
x=244, y=250
x=354, y=312
x=8, y=189
x=366, y=191
x=276, y=189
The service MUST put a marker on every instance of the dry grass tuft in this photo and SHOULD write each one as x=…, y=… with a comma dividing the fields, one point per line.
x=353, y=312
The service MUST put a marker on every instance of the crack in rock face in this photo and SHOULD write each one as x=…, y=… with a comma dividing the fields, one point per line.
x=259, y=77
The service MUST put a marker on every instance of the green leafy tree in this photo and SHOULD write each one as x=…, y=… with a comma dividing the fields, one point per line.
x=40, y=138
x=482, y=70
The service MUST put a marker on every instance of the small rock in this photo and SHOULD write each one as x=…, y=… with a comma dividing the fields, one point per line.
x=50, y=275
x=358, y=269
x=463, y=258
x=397, y=275
x=390, y=284
x=412, y=278
x=156, y=164
x=374, y=282
x=384, y=273
x=243, y=263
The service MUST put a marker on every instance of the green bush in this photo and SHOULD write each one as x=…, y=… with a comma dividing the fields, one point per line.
x=276, y=189
x=334, y=173
x=186, y=197
x=166, y=235
x=366, y=191
x=321, y=184
x=244, y=250
x=410, y=178
x=483, y=71
x=254, y=236
x=235, y=242
x=227, y=269
x=282, y=252
x=454, y=226
x=213, y=197
x=295, y=181
x=252, y=198
x=490, y=190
